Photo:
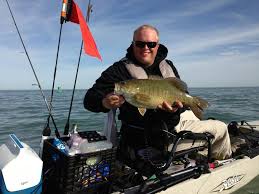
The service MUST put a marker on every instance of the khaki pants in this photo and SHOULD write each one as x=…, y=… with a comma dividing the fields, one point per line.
x=221, y=147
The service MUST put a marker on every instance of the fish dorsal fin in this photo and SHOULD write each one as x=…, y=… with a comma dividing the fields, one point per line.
x=179, y=84
x=155, y=77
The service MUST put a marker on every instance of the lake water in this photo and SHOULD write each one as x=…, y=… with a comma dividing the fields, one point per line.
x=24, y=113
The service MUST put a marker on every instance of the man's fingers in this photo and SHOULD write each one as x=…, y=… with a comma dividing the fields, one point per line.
x=159, y=106
x=113, y=97
x=167, y=106
x=178, y=104
x=113, y=101
x=170, y=108
x=116, y=97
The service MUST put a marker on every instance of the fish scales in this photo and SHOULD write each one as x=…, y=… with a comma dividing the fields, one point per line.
x=149, y=93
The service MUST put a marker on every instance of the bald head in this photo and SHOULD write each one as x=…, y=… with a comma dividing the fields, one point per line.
x=144, y=27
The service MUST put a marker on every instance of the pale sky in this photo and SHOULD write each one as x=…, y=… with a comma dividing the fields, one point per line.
x=213, y=43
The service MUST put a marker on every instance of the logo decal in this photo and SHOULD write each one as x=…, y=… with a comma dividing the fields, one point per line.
x=228, y=183
x=24, y=183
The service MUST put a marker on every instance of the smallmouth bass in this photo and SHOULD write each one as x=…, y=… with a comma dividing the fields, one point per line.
x=149, y=93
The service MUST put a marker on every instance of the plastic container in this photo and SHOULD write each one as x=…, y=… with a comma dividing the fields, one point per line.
x=74, y=142
x=86, y=147
x=95, y=142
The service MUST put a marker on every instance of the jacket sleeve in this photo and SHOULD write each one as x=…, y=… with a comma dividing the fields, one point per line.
x=103, y=86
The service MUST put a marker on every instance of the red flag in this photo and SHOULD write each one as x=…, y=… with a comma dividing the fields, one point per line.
x=89, y=43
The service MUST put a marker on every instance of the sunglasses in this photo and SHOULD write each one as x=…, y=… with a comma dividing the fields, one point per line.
x=141, y=44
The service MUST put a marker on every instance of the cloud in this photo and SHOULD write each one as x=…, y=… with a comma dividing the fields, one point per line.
x=199, y=34
x=220, y=70
x=230, y=53
x=203, y=41
x=195, y=8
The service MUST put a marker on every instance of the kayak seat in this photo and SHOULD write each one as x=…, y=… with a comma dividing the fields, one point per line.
x=187, y=140
x=184, y=143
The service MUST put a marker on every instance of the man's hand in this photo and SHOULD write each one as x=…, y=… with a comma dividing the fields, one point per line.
x=112, y=101
x=170, y=108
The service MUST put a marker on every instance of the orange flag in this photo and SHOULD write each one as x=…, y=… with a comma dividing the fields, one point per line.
x=89, y=43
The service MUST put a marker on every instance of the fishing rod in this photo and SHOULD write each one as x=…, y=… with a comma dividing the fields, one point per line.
x=65, y=15
x=35, y=75
x=46, y=131
x=66, y=130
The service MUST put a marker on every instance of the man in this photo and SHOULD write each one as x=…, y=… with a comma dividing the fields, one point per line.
x=146, y=56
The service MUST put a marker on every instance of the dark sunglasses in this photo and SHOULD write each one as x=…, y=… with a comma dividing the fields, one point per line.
x=141, y=44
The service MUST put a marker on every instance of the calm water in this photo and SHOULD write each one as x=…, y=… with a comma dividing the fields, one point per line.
x=25, y=114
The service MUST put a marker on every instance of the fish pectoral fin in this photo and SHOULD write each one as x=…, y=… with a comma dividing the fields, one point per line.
x=142, y=111
x=141, y=98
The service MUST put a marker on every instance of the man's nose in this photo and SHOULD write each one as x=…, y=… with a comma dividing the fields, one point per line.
x=146, y=47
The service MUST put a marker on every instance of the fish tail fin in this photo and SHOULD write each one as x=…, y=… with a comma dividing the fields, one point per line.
x=198, y=106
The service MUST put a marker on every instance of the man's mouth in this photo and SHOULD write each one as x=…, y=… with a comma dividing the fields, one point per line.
x=145, y=53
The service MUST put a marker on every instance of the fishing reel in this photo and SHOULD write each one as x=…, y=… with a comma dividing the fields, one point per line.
x=233, y=128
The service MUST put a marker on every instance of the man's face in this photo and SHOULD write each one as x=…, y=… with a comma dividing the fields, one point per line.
x=145, y=55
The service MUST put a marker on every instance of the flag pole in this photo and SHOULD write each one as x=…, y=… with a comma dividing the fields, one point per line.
x=66, y=129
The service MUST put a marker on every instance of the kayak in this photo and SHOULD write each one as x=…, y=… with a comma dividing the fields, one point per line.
x=225, y=176
x=180, y=173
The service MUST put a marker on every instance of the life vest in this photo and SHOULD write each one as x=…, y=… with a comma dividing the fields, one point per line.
x=137, y=72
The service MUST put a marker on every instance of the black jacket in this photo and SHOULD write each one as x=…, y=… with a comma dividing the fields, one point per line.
x=128, y=113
